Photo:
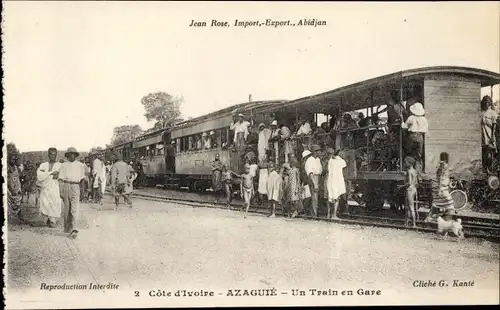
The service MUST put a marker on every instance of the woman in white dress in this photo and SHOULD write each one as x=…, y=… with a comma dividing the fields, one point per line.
x=335, y=180
x=50, y=197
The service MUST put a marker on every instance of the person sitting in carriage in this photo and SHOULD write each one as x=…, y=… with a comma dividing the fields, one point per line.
x=442, y=201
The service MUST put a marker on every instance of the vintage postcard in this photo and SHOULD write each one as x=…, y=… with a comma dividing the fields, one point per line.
x=216, y=154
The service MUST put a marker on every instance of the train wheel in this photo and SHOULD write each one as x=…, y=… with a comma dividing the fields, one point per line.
x=459, y=198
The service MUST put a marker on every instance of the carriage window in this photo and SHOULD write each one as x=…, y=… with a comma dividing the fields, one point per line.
x=178, y=145
x=217, y=141
x=223, y=136
x=160, y=149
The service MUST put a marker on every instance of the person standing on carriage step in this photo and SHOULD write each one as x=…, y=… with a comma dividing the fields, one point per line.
x=313, y=170
x=120, y=178
x=286, y=149
x=488, y=126
x=274, y=141
x=417, y=127
x=240, y=128
x=263, y=143
x=71, y=175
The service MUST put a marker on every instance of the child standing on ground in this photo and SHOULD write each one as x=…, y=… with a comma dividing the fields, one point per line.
x=335, y=183
x=411, y=182
x=274, y=183
x=247, y=189
x=263, y=175
x=227, y=180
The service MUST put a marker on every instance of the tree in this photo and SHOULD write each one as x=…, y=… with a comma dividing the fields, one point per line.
x=162, y=108
x=125, y=133
x=12, y=149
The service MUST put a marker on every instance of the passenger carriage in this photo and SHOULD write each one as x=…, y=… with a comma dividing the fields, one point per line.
x=124, y=149
x=193, y=164
x=451, y=97
x=156, y=154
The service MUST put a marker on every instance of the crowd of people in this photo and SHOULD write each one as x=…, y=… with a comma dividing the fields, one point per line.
x=62, y=185
x=298, y=167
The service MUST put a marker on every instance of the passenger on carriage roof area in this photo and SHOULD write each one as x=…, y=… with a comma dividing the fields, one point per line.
x=417, y=127
x=305, y=127
x=363, y=121
x=488, y=126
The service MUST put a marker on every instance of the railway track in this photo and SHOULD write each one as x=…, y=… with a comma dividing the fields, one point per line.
x=473, y=227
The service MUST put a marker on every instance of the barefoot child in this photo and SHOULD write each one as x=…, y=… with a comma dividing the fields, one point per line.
x=227, y=180
x=247, y=189
x=411, y=190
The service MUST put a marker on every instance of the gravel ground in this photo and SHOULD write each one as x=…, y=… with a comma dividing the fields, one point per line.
x=158, y=245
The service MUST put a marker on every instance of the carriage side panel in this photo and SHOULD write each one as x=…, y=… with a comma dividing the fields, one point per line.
x=453, y=112
x=199, y=162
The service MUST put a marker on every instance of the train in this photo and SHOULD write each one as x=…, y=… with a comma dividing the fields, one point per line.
x=450, y=95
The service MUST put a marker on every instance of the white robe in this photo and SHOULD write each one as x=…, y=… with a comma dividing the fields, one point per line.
x=335, y=181
x=103, y=179
x=50, y=199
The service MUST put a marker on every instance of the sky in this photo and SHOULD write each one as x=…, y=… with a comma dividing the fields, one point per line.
x=75, y=70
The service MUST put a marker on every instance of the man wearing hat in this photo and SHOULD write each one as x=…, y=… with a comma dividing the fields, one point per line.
x=274, y=140
x=240, y=128
x=14, y=193
x=71, y=174
x=313, y=169
x=417, y=127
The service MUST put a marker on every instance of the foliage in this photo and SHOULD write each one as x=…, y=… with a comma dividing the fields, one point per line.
x=125, y=133
x=162, y=107
x=11, y=148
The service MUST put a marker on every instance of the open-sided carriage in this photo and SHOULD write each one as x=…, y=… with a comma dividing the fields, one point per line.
x=451, y=97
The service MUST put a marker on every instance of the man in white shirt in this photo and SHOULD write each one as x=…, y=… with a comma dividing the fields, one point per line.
x=71, y=174
x=97, y=168
x=305, y=127
x=314, y=169
x=240, y=129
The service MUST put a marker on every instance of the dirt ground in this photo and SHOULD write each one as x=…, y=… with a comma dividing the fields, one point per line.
x=158, y=245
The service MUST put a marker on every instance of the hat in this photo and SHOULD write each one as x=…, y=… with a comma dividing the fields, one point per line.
x=274, y=123
x=262, y=125
x=305, y=153
x=417, y=109
x=241, y=115
x=330, y=150
x=204, y=134
x=71, y=150
x=315, y=147
x=212, y=133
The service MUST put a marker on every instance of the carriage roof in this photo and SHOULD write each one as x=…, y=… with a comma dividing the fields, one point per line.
x=374, y=91
x=238, y=108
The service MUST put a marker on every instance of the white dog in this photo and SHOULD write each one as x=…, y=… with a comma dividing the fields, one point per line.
x=453, y=226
